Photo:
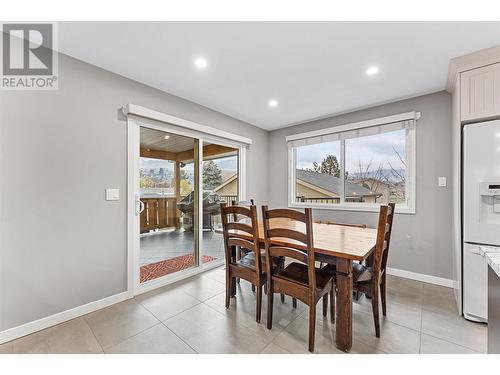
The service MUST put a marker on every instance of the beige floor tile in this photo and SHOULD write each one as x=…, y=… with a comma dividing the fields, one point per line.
x=208, y=331
x=295, y=339
x=156, y=340
x=274, y=349
x=35, y=343
x=6, y=348
x=433, y=345
x=439, y=299
x=201, y=287
x=409, y=316
x=167, y=302
x=117, y=323
x=242, y=311
x=393, y=337
x=73, y=337
x=404, y=291
x=217, y=274
x=455, y=329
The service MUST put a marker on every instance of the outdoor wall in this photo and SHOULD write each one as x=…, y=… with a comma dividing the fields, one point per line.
x=422, y=242
x=61, y=244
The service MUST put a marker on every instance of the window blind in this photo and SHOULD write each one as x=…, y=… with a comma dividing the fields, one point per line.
x=354, y=133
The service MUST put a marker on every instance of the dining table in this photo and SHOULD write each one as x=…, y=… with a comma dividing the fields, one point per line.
x=335, y=244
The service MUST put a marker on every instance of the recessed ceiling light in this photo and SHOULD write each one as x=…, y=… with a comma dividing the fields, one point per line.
x=273, y=103
x=372, y=70
x=201, y=63
x=167, y=137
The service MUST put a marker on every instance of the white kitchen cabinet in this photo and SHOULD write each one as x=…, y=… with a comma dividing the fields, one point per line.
x=480, y=93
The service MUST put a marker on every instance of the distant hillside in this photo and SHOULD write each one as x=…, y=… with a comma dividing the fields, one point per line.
x=387, y=173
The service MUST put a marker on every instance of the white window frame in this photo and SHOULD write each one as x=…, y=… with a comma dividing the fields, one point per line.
x=410, y=155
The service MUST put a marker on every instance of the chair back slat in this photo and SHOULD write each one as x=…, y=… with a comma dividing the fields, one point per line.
x=233, y=239
x=287, y=233
x=244, y=211
x=246, y=204
x=303, y=252
x=240, y=226
x=241, y=242
x=283, y=251
x=283, y=213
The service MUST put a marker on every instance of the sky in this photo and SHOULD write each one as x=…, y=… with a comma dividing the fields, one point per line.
x=377, y=148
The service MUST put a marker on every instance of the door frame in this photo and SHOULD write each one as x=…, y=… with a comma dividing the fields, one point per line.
x=176, y=126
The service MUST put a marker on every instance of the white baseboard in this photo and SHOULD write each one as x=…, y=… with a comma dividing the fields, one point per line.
x=421, y=277
x=52, y=320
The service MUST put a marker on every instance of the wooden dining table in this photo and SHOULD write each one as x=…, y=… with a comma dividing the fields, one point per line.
x=339, y=245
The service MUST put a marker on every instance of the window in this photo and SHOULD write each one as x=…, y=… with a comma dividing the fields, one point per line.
x=156, y=176
x=355, y=167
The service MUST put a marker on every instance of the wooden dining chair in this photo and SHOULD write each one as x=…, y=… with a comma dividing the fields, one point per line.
x=239, y=251
x=320, y=258
x=371, y=279
x=246, y=236
x=300, y=279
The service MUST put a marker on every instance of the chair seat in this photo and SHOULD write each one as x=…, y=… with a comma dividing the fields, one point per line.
x=298, y=273
x=360, y=273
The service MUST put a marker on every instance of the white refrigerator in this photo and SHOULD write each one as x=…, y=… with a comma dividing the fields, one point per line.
x=481, y=212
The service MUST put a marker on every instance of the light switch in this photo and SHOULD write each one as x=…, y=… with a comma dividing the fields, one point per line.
x=112, y=194
x=441, y=181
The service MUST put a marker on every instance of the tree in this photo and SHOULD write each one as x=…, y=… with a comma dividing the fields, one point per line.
x=329, y=165
x=212, y=175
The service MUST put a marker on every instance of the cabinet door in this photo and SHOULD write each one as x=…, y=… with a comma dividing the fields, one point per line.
x=480, y=93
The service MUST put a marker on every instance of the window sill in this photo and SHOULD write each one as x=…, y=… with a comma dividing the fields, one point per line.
x=351, y=207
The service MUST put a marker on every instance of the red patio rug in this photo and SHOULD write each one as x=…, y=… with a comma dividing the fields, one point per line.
x=164, y=267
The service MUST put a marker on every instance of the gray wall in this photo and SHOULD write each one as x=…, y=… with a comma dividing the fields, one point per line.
x=421, y=242
x=61, y=244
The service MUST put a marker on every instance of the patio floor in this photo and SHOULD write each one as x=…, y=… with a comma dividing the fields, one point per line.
x=172, y=250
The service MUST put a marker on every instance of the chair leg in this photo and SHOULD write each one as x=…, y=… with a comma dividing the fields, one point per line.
x=282, y=298
x=325, y=305
x=269, y=307
x=294, y=303
x=312, y=326
x=383, y=294
x=375, y=309
x=228, y=288
x=332, y=305
x=238, y=257
x=258, y=307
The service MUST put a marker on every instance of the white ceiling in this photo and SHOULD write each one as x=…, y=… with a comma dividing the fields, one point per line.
x=312, y=69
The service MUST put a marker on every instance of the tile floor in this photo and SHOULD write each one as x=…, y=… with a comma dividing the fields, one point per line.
x=190, y=317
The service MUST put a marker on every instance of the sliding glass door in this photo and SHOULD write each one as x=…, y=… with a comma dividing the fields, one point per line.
x=168, y=180
x=177, y=181
x=220, y=184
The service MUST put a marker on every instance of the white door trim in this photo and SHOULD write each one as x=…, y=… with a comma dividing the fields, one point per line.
x=134, y=109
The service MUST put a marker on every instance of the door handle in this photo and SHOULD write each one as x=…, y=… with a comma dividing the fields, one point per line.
x=141, y=206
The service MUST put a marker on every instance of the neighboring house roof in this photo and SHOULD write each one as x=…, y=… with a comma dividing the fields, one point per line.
x=332, y=184
x=227, y=182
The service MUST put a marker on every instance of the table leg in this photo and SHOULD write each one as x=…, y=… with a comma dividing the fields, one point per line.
x=343, y=333
x=233, y=279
